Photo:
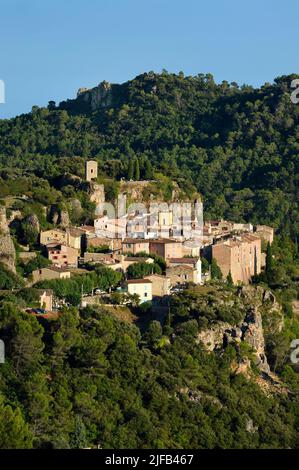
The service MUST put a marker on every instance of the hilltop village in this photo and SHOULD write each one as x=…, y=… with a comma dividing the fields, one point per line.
x=149, y=292
x=153, y=254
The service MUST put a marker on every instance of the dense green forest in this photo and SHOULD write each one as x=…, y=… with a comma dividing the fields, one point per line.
x=89, y=380
x=237, y=146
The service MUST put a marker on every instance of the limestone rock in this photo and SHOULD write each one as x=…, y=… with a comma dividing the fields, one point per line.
x=34, y=222
x=250, y=330
x=97, y=193
x=58, y=216
x=253, y=334
x=98, y=97
x=214, y=337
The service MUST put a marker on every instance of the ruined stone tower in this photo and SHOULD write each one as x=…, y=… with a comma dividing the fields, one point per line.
x=91, y=170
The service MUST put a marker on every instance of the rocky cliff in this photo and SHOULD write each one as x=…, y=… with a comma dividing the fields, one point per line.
x=98, y=97
x=259, y=305
x=59, y=216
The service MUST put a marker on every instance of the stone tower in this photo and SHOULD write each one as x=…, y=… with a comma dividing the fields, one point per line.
x=91, y=170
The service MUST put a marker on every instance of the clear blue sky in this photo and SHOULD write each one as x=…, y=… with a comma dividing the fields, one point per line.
x=50, y=48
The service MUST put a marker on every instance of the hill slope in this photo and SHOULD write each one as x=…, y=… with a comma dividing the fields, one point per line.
x=237, y=146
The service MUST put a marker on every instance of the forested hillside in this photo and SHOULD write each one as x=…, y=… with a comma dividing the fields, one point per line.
x=238, y=146
x=88, y=380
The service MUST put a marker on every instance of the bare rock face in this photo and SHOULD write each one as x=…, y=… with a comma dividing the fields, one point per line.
x=7, y=248
x=34, y=222
x=253, y=334
x=59, y=216
x=76, y=208
x=97, y=194
x=250, y=330
x=64, y=219
x=98, y=97
x=214, y=337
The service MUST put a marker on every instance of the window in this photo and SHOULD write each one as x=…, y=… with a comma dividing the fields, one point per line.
x=145, y=294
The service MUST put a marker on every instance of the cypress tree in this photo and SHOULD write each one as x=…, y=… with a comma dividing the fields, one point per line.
x=137, y=170
x=131, y=169
x=269, y=261
x=215, y=270
x=229, y=280
x=148, y=172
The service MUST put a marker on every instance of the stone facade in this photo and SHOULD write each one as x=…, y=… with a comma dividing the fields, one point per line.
x=135, y=246
x=241, y=256
x=47, y=274
x=183, y=270
x=62, y=256
x=265, y=232
x=166, y=248
x=141, y=287
x=160, y=285
x=91, y=170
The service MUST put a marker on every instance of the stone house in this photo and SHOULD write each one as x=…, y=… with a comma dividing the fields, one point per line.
x=160, y=285
x=54, y=235
x=110, y=228
x=183, y=270
x=166, y=248
x=113, y=244
x=74, y=237
x=240, y=255
x=265, y=232
x=135, y=246
x=71, y=237
x=141, y=287
x=49, y=273
x=191, y=248
x=62, y=255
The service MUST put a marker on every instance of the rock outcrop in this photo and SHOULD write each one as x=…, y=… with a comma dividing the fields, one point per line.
x=34, y=222
x=59, y=216
x=250, y=330
x=97, y=194
x=7, y=248
x=253, y=334
x=98, y=97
